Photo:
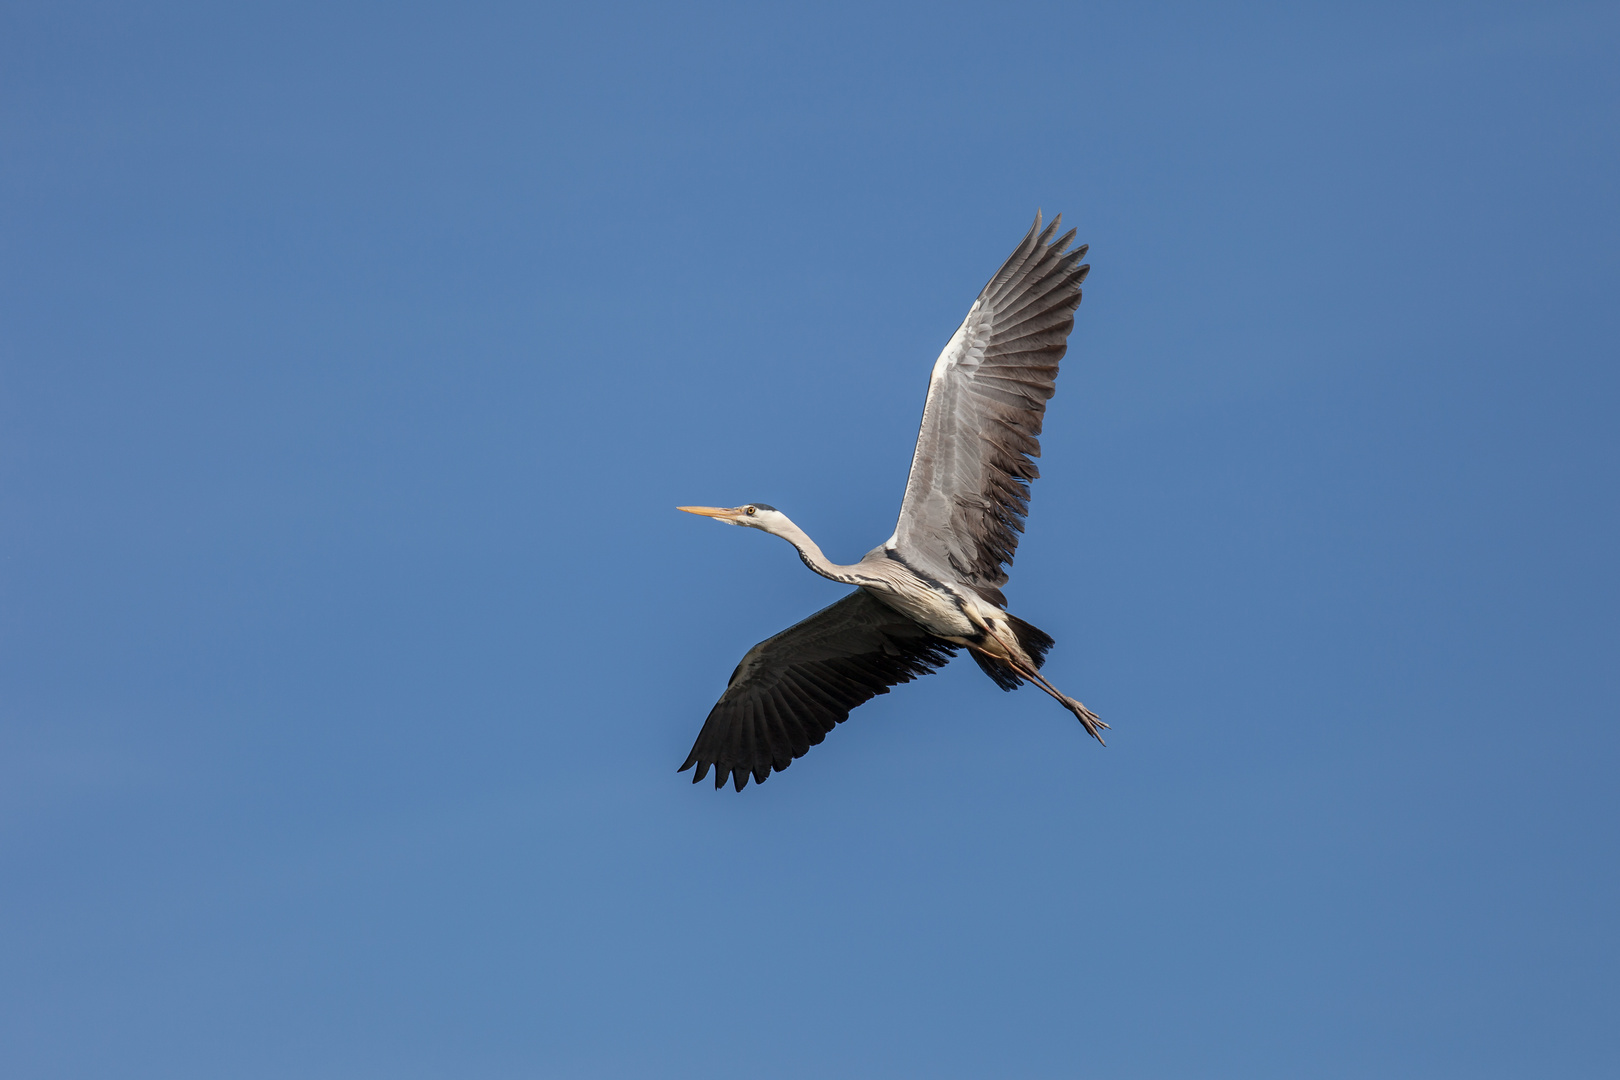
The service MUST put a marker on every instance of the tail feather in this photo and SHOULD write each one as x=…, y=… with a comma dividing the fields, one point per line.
x=1000, y=674
x=1033, y=640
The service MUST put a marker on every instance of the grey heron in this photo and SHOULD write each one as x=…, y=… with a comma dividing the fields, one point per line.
x=934, y=586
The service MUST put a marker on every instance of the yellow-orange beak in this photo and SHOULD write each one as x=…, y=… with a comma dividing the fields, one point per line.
x=709, y=511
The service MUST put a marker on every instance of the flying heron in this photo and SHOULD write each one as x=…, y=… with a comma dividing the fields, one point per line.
x=934, y=586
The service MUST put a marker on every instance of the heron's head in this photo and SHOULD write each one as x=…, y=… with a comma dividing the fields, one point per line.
x=761, y=516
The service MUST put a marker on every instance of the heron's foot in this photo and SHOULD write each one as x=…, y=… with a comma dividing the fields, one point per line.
x=1092, y=722
x=1088, y=719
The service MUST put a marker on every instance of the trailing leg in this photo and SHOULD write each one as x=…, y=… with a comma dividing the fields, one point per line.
x=1092, y=722
x=1012, y=669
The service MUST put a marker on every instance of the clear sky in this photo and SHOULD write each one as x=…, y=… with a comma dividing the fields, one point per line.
x=353, y=358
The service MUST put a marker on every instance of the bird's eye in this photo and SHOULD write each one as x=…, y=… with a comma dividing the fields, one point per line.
x=751, y=511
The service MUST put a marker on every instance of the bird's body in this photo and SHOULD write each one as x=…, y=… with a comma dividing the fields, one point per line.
x=936, y=606
x=934, y=586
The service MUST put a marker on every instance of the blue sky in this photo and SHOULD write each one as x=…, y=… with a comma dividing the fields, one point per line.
x=354, y=357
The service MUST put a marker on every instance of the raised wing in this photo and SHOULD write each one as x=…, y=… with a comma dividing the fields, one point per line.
x=790, y=690
x=968, y=491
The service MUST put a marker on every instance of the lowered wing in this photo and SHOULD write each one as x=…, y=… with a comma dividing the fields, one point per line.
x=790, y=690
x=968, y=491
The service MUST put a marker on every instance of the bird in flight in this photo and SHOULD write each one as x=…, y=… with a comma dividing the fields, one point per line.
x=934, y=586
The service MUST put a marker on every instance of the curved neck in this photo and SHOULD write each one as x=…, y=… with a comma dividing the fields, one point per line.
x=812, y=556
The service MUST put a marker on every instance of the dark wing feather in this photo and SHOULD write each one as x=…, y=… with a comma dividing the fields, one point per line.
x=790, y=690
x=968, y=491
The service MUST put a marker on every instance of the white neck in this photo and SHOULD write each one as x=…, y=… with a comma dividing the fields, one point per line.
x=811, y=553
